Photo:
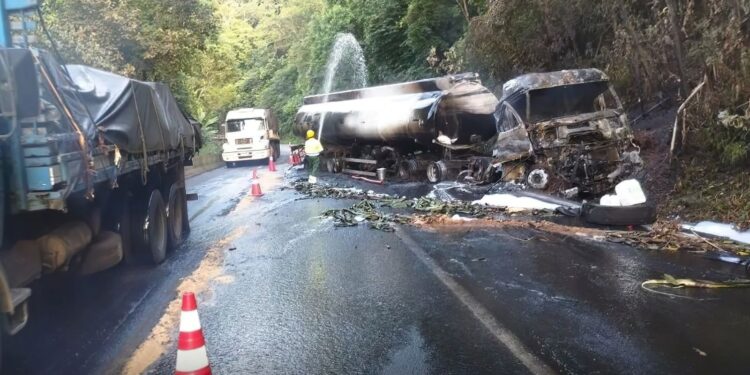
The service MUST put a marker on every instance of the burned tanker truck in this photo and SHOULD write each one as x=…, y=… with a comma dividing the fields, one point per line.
x=562, y=132
x=428, y=128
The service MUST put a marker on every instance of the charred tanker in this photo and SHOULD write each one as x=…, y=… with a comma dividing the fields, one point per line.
x=430, y=125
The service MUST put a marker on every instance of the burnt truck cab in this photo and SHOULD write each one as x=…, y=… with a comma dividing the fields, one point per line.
x=564, y=131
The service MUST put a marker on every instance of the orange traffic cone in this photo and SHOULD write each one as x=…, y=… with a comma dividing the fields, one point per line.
x=255, y=173
x=192, y=358
x=271, y=164
x=255, y=190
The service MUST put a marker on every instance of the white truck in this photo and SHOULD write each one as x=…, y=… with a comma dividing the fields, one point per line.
x=250, y=134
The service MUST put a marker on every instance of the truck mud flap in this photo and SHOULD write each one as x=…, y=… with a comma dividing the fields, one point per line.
x=621, y=216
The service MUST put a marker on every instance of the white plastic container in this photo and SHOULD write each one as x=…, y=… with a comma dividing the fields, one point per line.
x=630, y=193
x=610, y=200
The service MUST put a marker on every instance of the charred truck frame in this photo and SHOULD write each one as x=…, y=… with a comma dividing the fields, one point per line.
x=409, y=128
x=559, y=131
x=564, y=131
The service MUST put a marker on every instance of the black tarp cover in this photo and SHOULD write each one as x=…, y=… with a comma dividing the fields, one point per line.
x=132, y=114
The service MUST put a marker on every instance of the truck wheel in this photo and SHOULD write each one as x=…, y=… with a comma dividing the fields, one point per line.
x=126, y=231
x=175, y=216
x=155, y=228
x=333, y=166
x=437, y=171
x=407, y=169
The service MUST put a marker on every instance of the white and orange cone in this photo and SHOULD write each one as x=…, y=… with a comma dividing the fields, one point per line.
x=192, y=358
x=271, y=164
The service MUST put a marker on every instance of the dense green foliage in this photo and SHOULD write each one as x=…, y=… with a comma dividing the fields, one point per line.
x=219, y=54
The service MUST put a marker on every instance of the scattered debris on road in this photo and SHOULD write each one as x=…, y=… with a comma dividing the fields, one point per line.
x=431, y=211
x=672, y=282
x=365, y=210
x=669, y=236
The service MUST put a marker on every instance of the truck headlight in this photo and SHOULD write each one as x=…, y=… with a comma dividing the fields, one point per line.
x=224, y=147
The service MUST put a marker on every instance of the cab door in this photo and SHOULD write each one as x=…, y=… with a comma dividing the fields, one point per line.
x=512, y=138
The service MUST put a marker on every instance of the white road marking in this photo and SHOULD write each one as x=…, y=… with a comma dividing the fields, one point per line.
x=501, y=334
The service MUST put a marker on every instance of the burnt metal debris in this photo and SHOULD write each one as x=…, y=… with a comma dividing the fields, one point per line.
x=565, y=129
x=562, y=131
x=371, y=207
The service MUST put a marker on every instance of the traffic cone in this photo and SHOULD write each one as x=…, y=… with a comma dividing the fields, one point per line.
x=255, y=190
x=255, y=173
x=271, y=164
x=192, y=358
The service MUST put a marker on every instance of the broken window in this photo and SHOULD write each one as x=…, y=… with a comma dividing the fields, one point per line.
x=564, y=101
x=507, y=119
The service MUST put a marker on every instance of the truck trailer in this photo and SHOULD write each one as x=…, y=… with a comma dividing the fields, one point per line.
x=91, y=173
x=419, y=129
x=563, y=132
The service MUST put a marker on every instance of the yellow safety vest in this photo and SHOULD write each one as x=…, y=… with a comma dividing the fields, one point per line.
x=313, y=147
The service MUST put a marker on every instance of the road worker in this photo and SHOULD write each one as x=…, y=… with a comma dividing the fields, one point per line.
x=313, y=148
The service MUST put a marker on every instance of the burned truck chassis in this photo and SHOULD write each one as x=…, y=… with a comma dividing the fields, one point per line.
x=441, y=164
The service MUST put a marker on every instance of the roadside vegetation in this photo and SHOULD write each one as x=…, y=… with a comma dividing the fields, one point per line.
x=219, y=54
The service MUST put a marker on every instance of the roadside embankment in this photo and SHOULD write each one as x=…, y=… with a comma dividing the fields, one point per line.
x=203, y=163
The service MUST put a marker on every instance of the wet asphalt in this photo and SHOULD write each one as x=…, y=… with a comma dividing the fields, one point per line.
x=301, y=296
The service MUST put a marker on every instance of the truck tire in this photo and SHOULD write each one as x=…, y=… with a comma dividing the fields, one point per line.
x=125, y=229
x=333, y=165
x=619, y=216
x=175, y=216
x=154, y=233
x=437, y=171
x=407, y=169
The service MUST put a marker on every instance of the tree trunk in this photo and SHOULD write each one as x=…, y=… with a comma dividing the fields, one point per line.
x=676, y=35
x=464, y=6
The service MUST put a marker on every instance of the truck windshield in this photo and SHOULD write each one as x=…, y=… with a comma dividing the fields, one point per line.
x=563, y=101
x=252, y=125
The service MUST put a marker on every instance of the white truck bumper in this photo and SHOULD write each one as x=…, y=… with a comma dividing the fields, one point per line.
x=241, y=155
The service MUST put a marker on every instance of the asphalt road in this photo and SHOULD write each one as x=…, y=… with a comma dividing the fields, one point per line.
x=293, y=294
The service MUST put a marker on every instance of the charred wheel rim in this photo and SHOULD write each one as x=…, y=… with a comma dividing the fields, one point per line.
x=436, y=172
x=155, y=228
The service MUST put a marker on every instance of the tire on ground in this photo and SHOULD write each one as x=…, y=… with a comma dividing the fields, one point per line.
x=620, y=216
x=175, y=216
x=437, y=171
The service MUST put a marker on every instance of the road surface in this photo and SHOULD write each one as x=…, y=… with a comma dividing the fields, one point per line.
x=281, y=290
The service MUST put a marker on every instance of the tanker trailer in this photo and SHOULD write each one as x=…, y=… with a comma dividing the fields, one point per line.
x=434, y=125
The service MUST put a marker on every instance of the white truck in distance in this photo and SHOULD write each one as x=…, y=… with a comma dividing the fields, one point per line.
x=251, y=134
